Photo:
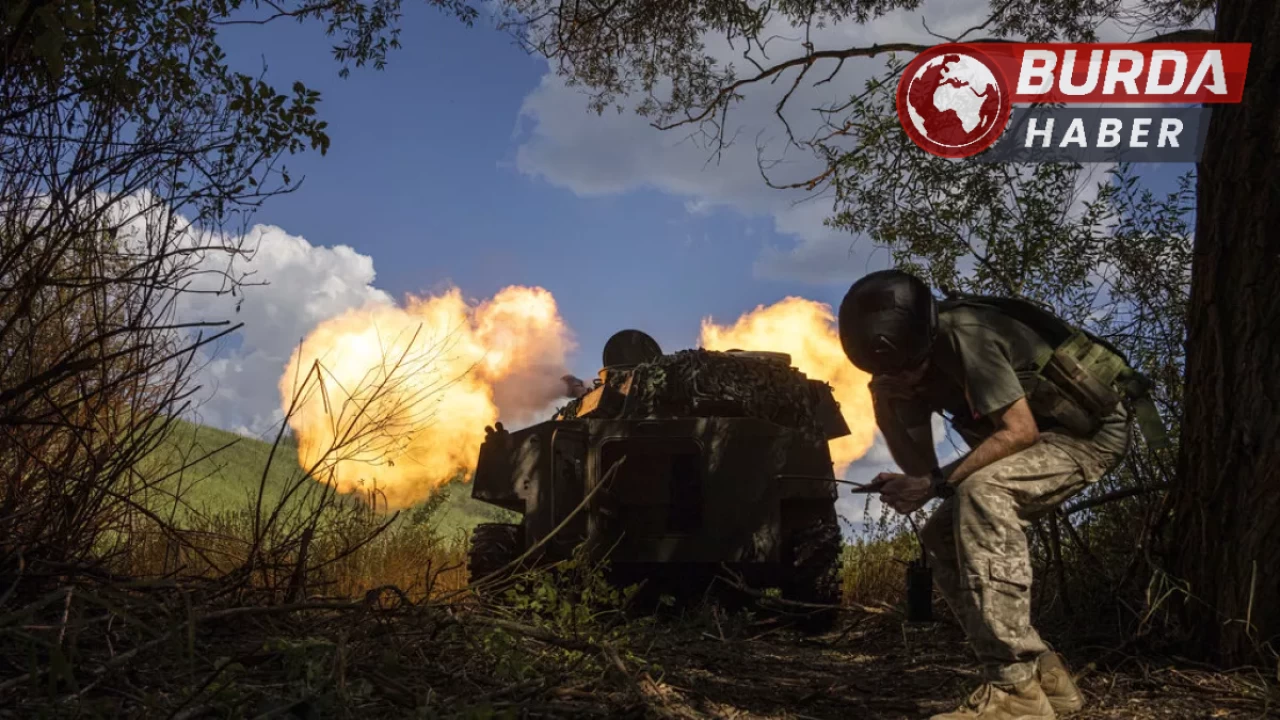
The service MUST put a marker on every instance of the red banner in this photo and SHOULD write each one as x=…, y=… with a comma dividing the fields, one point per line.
x=1146, y=73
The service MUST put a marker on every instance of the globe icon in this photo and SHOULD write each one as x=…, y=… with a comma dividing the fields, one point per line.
x=953, y=100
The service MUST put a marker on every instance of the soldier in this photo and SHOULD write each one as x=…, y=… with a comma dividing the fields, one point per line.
x=975, y=362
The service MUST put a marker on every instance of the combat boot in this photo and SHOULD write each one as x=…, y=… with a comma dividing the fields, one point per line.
x=1023, y=701
x=1058, y=686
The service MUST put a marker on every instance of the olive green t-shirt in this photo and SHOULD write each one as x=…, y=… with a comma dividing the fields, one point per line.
x=974, y=372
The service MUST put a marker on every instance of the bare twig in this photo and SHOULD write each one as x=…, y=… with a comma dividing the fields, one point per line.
x=1111, y=497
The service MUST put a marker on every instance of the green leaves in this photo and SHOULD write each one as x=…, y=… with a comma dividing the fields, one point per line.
x=48, y=43
x=157, y=68
x=573, y=600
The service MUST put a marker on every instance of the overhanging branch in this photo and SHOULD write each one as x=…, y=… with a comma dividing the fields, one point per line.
x=725, y=94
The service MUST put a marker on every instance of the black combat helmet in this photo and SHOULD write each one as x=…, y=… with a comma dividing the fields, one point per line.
x=630, y=347
x=887, y=322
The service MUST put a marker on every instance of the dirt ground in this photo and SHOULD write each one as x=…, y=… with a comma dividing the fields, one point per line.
x=358, y=660
x=880, y=668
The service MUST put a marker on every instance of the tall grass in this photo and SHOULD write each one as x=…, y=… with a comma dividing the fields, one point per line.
x=351, y=551
x=212, y=480
x=873, y=569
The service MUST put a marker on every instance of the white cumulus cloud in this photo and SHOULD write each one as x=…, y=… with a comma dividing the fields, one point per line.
x=592, y=155
x=298, y=286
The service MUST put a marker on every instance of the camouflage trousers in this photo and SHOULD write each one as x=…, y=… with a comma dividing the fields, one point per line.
x=977, y=545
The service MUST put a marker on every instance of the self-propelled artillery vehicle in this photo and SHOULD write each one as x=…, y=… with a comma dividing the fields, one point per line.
x=726, y=466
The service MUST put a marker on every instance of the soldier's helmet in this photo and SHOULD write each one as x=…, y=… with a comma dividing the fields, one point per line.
x=888, y=321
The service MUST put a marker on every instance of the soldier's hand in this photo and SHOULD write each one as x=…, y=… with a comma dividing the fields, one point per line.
x=877, y=483
x=884, y=480
x=905, y=493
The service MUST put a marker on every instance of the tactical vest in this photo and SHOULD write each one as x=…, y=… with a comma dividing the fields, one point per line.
x=1081, y=378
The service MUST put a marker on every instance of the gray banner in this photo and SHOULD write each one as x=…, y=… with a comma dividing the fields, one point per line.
x=1094, y=135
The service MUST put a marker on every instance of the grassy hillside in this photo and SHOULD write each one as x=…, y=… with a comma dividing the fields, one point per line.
x=229, y=477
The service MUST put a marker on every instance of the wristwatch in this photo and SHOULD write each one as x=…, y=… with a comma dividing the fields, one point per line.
x=938, y=481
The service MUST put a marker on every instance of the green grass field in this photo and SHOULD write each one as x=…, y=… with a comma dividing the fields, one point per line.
x=228, y=478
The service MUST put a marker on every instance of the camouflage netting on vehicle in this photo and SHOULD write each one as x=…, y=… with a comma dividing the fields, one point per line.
x=702, y=383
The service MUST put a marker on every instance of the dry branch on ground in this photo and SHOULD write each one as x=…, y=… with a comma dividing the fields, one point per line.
x=147, y=651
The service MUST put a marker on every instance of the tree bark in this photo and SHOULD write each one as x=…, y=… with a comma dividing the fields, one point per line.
x=1226, y=512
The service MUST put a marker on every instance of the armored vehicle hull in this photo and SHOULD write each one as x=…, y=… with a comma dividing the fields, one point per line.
x=673, y=491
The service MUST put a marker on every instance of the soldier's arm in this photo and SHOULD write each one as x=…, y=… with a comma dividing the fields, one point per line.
x=910, y=439
x=1016, y=431
x=994, y=392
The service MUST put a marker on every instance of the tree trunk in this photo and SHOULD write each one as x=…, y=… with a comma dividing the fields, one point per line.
x=1227, y=496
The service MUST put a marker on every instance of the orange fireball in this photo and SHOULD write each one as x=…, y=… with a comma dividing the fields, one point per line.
x=393, y=401
x=806, y=330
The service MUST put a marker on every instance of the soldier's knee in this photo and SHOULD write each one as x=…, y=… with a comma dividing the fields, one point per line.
x=976, y=487
x=985, y=497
